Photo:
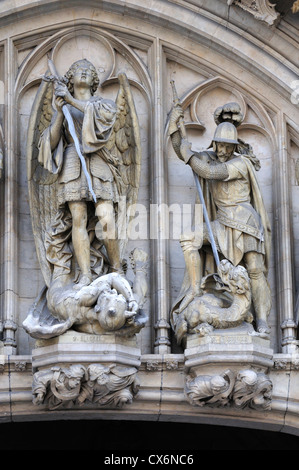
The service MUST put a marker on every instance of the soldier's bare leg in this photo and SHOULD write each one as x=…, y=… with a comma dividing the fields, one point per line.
x=191, y=242
x=261, y=294
x=81, y=241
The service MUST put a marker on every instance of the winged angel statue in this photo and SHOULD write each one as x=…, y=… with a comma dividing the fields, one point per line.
x=83, y=165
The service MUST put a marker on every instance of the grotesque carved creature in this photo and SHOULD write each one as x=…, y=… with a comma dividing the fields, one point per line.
x=246, y=388
x=65, y=387
x=108, y=304
x=213, y=390
x=58, y=385
x=109, y=385
x=252, y=389
x=213, y=309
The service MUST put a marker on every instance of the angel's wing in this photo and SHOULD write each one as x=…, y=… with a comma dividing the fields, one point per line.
x=125, y=145
x=41, y=183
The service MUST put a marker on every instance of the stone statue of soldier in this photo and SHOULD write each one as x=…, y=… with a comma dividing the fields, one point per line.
x=238, y=218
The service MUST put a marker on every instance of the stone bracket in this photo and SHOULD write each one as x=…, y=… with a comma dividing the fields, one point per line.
x=78, y=369
x=78, y=384
x=229, y=368
x=246, y=388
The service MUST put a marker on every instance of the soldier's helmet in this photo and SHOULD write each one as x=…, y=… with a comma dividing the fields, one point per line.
x=226, y=132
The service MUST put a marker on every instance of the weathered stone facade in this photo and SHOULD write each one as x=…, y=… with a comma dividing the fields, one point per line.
x=217, y=52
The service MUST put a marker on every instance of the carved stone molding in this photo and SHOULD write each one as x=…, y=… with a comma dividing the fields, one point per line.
x=286, y=362
x=20, y=366
x=262, y=10
x=103, y=385
x=246, y=388
x=152, y=365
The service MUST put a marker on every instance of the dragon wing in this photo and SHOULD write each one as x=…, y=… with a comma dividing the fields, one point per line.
x=125, y=145
x=41, y=183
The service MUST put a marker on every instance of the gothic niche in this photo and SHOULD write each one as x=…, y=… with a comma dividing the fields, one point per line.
x=84, y=160
x=227, y=255
x=84, y=165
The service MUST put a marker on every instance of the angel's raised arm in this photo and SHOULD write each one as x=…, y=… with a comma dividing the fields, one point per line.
x=56, y=123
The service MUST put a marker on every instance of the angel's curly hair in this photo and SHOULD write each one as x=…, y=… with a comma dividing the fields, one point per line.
x=70, y=74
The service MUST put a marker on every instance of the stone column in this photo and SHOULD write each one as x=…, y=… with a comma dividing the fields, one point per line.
x=159, y=196
x=283, y=251
x=10, y=251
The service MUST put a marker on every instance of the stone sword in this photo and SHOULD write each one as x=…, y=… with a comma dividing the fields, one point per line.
x=55, y=77
x=182, y=129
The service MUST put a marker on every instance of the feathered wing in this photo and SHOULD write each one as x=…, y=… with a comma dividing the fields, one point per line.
x=40, y=323
x=125, y=145
x=41, y=183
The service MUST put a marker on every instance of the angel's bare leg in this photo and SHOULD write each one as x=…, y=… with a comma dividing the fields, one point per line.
x=81, y=240
x=106, y=215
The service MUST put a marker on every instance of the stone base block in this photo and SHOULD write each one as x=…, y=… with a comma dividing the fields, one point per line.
x=228, y=368
x=77, y=369
x=73, y=347
x=228, y=348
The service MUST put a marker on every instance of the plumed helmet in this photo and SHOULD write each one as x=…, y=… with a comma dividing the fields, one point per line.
x=226, y=132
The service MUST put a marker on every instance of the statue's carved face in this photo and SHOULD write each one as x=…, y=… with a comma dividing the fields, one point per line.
x=83, y=76
x=84, y=71
x=235, y=277
x=224, y=151
x=111, y=308
x=74, y=382
x=218, y=384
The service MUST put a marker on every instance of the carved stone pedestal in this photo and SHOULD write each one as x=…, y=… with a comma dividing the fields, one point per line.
x=229, y=346
x=228, y=368
x=72, y=347
x=77, y=369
